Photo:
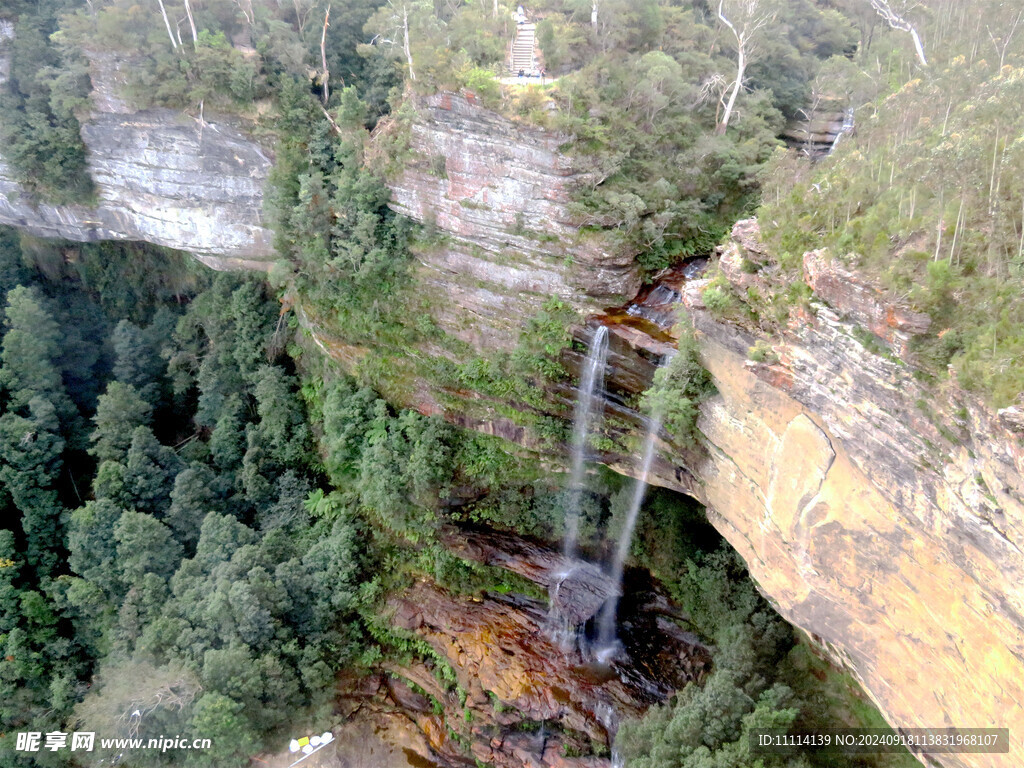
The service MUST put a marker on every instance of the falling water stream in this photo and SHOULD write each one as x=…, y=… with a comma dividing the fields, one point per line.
x=607, y=643
x=590, y=392
x=591, y=387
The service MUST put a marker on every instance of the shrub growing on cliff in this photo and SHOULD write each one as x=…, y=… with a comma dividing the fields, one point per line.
x=762, y=352
x=542, y=341
x=680, y=386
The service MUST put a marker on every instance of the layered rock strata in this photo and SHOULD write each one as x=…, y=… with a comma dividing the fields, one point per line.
x=166, y=178
x=500, y=195
x=520, y=699
x=884, y=518
x=819, y=127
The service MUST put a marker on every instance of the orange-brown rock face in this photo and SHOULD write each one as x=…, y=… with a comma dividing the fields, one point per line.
x=874, y=519
x=883, y=517
x=520, y=698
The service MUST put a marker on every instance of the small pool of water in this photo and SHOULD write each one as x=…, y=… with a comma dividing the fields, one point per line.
x=654, y=310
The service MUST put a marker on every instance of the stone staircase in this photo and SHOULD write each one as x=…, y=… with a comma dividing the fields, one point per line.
x=522, y=56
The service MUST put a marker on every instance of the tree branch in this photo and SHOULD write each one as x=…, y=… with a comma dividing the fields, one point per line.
x=894, y=20
x=323, y=53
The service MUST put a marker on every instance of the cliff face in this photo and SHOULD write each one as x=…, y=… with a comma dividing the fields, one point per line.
x=500, y=195
x=161, y=177
x=886, y=521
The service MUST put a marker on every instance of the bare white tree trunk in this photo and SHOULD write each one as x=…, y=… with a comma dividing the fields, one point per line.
x=1020, y=248
x=1004, y=43
x=245, y=6
x=956, y=227
x=300, y=17
x=191, y=23
x=323, y=54
x=918, y=47
x=167, y=23
x=593, y=14
x=405, y=33
x=894, y=20
x=741, y=70
x=753, y=15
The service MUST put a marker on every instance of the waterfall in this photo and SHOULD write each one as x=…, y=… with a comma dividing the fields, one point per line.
x=591, y=387
x=847, y=128
x=607, y=620
x=560, y=626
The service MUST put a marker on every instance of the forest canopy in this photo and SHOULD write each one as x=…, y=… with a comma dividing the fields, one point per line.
x=205, y=519
x=645, y=91
x=927, y=197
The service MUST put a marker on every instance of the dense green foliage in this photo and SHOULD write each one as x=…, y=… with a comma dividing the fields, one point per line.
x=680, y=386
x=46, y=86
x=241, y=53
x=346, y=252
x=927, y=196
x=762, y=675
x=644, y=104
x=143, y=571
x=206, y=531
x=171, y=526
x=176, y=532
x=642, y=96
x=707, y=726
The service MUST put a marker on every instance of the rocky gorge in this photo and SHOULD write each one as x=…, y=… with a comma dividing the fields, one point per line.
x=883, y=519
x=519, y=699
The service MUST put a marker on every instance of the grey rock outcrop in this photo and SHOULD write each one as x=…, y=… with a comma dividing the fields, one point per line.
x=161, y=177
x=500, y=193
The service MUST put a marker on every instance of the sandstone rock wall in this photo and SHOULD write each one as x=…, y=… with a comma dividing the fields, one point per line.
x=500, y=195
x=161, y=177
x=883, y=518
x=887, y=522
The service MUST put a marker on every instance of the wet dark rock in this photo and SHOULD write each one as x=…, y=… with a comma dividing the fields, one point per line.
x=577, y=588
x=529, y=699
